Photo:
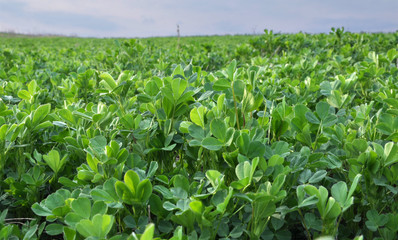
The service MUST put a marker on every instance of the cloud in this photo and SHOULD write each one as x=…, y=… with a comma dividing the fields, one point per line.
x=143, y=18
x=20, y=17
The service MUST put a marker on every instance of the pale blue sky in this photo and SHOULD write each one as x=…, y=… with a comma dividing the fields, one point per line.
x=144, y=18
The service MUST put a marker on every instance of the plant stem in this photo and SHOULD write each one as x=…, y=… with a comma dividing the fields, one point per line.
x=236, y=107
x=316, y=137
x=305, y=226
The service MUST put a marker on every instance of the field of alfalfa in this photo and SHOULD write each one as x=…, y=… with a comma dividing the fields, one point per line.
x=276, y=136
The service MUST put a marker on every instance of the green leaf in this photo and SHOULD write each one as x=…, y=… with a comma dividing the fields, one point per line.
x=196, y=132
x=82, y=206
x=354, y=185
x=221, y=84
x=256, y=149
x=214, y=177
x=219, y=129
x=148, y=233
x=144, y=190
x=56, y=199
x=3, y=216
x=166, y=193
x=72, y=219
x=61, y=211
x=29, y=234
x=375, y=220
x=180, y=181
x=313, y=222
x=360, y=145
x=197, y=116
x=32, y=87
x=99, y=207
x=237, y=231
x=239, y=89
x=393, y=222
x=178, y=87
x=42, y=125
x=169, y=206
x=67, y=116
x=40, y=113
x=339, y=192
x=243, y=142
x=231, y=69
x=322, y=109
x=144, y=98
x=312, y=191
x=156, y=205
x=243, y=170
x=153, y=166
x=41, y=210
x=318, y=176
x=277, y=184
x=312, y=118
x=3, y=132
x=124, y=192
x=333, y=209
x=99, y=194
x=196, y=207
x=220, y=102
x=221, y=207
x=275, y=160
x=109, y=82
x=308, y=201
x=242, y=183
x=132, y=180
x=372, y=226
x=23, y=94
x=53, y=160
x=248, y=103
x=54, y=229
x=330, y=120
x=390, y=154
x=98, y=227
x=392, y=101
x=69, y=233
x=277, y=223
x=212, y=144
x=98, y=144
x=151, y=88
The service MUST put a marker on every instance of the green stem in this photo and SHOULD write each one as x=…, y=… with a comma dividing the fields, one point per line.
x=338, y=223
x=305, y=226
x=317, y=136
x=121, y=105
x=236, y=107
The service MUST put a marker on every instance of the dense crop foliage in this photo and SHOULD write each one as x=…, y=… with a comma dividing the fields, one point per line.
x=267, y=137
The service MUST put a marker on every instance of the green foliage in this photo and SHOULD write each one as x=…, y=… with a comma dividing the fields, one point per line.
x=240, y=137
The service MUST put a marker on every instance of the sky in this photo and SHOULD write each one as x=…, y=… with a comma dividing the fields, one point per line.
x=147, y=18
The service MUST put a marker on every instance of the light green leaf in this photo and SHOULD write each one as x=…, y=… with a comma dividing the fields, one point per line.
x=148, y=233
x=40, y=113
x=132, y=180
x=109, y=82
x=197, y=116
x=67, y=116
x=23, y=94
x=178, y=86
